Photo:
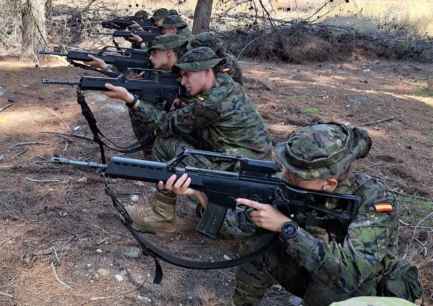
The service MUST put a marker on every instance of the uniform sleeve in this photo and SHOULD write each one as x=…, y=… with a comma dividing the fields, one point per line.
x=197, y=115
x=359, y=257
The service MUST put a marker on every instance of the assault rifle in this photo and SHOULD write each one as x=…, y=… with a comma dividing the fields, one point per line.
x=161, y=86
x=121, y=58
x=146, y=36
x=254, y=180
x=122, y=23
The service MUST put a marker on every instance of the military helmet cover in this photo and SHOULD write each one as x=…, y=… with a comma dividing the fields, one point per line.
x=197, y=59
x=169, y=41
x=321, y=151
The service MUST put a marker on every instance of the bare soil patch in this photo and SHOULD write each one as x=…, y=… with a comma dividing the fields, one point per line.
x=61, y=242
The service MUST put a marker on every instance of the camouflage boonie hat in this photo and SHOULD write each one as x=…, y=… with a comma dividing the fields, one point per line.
x=158, y=15
x=141, y=14
x=323, y=150
x=169, y=41
x=198, y=59
x=207, y=39
x=172, y=21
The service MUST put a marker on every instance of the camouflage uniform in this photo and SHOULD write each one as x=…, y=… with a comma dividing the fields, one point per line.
x=222, y=119
x=230, y=64
x=319, y=264
x=142, y=130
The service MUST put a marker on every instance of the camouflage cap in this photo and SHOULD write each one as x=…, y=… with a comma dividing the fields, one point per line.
x=172, y=21
x=142, y=14
x=322, y=150
x=207, y=39
x=197, y=59
x=168, y=41
x=158, y=15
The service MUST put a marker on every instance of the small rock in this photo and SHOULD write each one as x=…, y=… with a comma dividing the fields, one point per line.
x=119, y=277
x=2, y=91
x=76, y=128
x=134, y=198
x=103, y=272
x=99, y=251
x=226, y=257
x=82, y=180
x=89, y=265
x=11, y=99
x=144, y=299
x=63, y=214
x=138, y=183
x=132, y=252
x=2, y=157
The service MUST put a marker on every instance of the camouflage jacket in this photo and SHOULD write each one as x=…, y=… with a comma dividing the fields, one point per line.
x=221, y=119
x=371, y=236
x=184, y=32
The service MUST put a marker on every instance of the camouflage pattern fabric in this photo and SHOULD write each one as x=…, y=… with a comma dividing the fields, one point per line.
x=197, y=59
x=169, y=41
x=229, y=65
x=322, y=150
x=321, y=264
x=317, y=267
x=373, y=301
x=222, y=119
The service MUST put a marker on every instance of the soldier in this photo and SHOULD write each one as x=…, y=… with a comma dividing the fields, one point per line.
x=230, y=64
x=319, y=262
x=220, y=118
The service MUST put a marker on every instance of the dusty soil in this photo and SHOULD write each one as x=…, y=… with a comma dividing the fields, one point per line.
x=60, y=240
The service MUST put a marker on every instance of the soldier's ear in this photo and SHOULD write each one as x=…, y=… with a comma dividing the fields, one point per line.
x=330, y=184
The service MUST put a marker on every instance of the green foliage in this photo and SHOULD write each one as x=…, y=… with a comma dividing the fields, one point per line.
x=311, y=111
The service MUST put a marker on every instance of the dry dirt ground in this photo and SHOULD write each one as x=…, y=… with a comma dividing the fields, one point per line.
x=60, y=240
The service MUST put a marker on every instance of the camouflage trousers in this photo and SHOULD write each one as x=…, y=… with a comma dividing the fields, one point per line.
x=275, y=266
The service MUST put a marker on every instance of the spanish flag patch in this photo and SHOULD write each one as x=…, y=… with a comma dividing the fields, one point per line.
x=383, y=207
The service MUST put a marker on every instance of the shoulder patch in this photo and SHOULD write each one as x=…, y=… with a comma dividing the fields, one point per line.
x=383, y=207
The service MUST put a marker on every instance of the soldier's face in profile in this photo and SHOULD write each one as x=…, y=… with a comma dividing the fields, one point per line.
x=165, y=31
x=194, y=81
x=328, y=185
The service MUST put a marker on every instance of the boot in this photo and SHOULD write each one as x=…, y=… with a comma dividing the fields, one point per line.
x=158, y=215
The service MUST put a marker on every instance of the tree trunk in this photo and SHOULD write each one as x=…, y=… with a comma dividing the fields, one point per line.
x=34, y=34
x=202, y=14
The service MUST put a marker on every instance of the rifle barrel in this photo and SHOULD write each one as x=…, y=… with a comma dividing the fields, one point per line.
x=53, y=53
x=51, y=82
x=65, y=161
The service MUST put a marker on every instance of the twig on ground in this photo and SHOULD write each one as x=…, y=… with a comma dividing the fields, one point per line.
x=65, y=136
x=378, y=121
x=57, y=277
x=4, y=241
x=411, y=225
x=5, y=107
x=45, y=181
x=430, y=215
x=29, y=143
x=6, y=294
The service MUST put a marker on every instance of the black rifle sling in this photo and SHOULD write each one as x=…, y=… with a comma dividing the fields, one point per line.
x=149, y=249
x=97, y=134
